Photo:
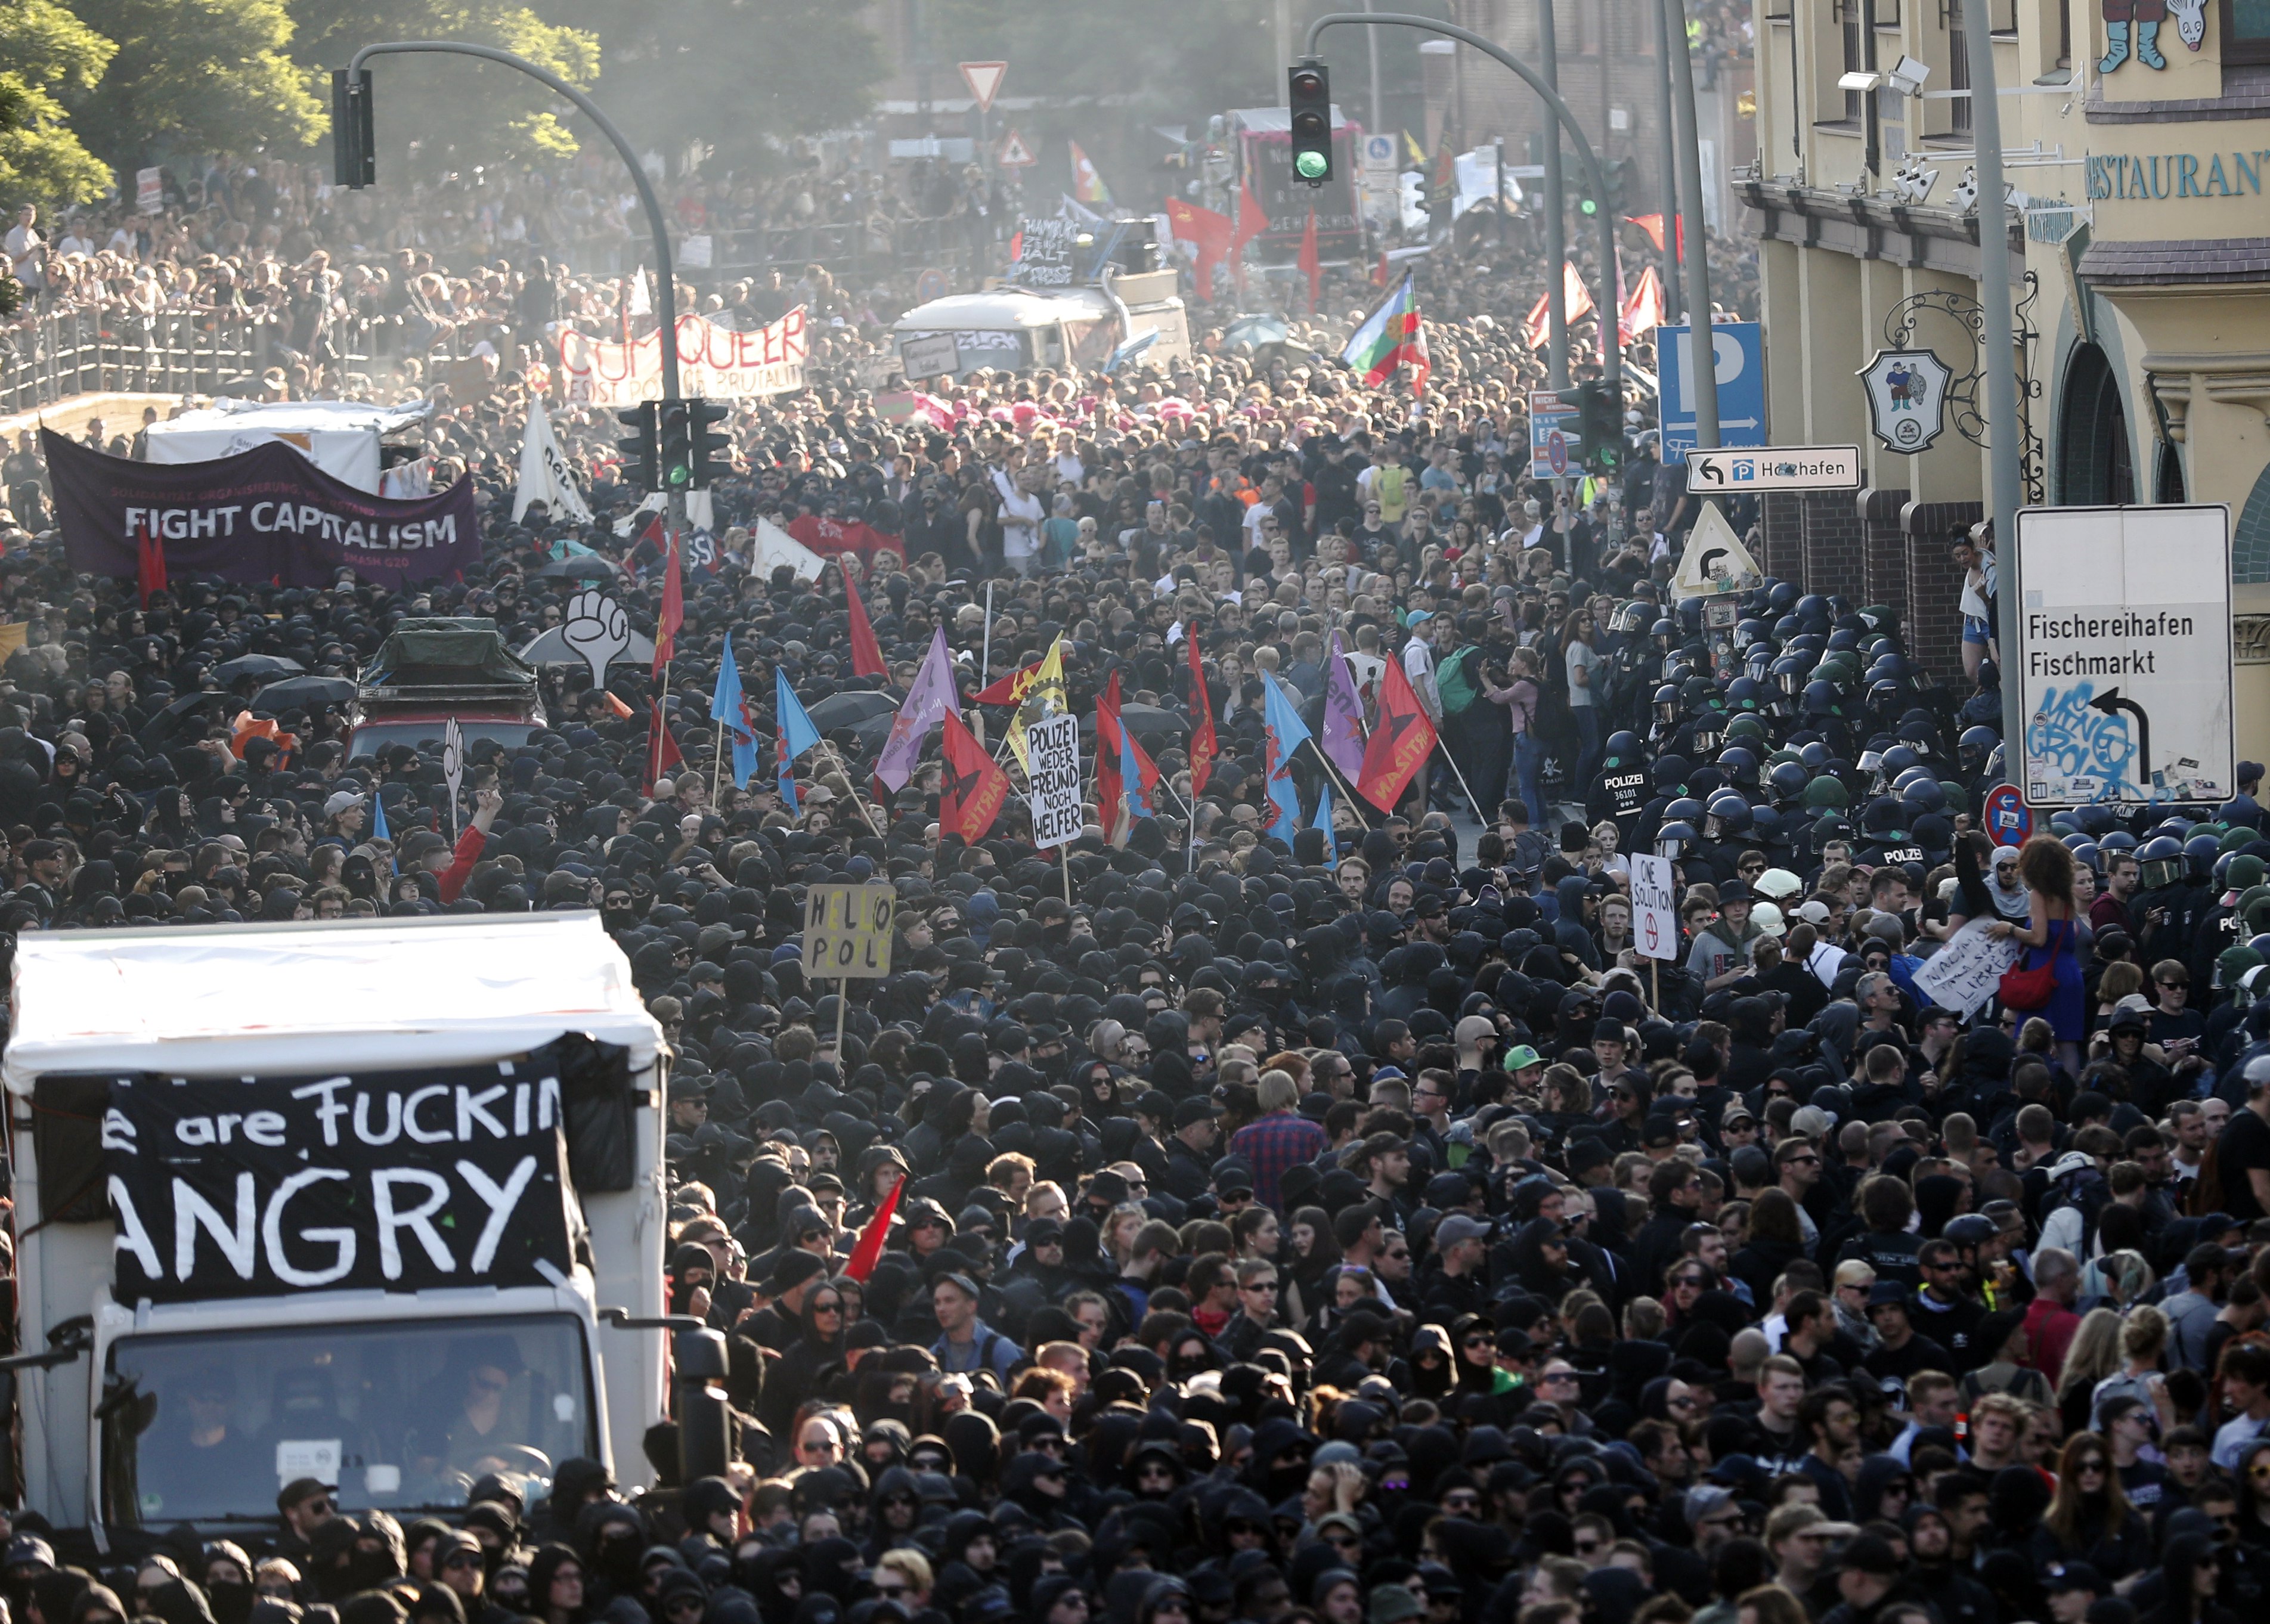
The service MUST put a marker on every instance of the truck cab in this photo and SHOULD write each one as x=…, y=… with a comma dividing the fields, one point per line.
x=433, y=670
x=379, y=1203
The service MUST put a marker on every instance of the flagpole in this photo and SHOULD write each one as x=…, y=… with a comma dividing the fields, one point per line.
x=986, y=662
x=851, y=783
x=1480, y=816
x=1346, y=788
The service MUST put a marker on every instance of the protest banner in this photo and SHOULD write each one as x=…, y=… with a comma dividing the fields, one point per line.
x=714, y=362
x=1655, y=918
x=1052, y=758
x=265, y=514
x=1964, y=973
x=847, y=931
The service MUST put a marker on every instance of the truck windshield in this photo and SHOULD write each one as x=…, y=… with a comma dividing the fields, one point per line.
x=426, y=735
x=209, y=1425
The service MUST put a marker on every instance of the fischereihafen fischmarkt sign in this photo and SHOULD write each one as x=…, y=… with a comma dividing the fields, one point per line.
x=2124, y=658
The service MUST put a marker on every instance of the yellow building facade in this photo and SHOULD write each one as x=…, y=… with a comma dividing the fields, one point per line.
x=2136, y=141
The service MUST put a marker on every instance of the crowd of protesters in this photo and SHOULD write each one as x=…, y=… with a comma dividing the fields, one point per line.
x=1354, y=1227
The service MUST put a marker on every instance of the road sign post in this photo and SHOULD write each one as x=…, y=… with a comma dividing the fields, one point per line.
x=1774, y=468
x=1738, y=348
x=2124, y=655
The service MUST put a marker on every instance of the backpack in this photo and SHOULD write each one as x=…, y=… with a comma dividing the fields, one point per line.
x=1454, y=681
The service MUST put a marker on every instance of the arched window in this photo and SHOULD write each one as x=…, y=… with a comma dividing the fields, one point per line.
x=2094, y=465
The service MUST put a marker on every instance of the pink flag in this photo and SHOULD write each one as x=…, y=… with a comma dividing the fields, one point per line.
x=927, y=702
x=1343, y=739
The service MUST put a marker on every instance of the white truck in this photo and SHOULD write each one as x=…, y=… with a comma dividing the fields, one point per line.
x=377, y=1203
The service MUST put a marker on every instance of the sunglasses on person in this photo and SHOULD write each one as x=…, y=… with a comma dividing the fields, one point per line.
x=1258, y=1286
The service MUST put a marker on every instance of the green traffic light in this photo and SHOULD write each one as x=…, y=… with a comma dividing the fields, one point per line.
x=1587, y=206
x=680, y=474
x=1312, y=165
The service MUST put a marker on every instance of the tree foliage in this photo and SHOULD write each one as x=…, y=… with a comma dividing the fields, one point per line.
x=461, y=111
x=194, y=76
x=46, y=54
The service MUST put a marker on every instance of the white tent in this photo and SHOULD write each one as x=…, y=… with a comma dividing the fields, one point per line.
x=341, y=437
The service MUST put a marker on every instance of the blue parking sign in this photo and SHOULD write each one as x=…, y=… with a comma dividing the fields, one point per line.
x=1741, y=353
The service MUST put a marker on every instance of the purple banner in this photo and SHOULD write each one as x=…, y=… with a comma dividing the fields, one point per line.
x=268, y=514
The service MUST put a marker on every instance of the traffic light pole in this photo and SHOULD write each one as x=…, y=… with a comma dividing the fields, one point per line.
x=1612, y=362
x=1556, y=216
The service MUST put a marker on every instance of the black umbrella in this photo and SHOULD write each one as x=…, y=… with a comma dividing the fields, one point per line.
x=168, y=721
x=1150, y=719
x=304, y=692
x=262, y=665
x=582, y=566
x=850, y=707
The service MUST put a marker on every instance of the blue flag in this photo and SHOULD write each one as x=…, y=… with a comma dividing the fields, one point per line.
x=1324, y=820
x=1131, y=778
x=728, y=709
x=796, y=735
x=1286, y=732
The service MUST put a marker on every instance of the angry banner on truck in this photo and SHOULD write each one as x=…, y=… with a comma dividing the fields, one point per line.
x=714, y=362
x=393, y=1181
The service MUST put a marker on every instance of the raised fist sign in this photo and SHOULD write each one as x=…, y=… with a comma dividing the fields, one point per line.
x=596, y=629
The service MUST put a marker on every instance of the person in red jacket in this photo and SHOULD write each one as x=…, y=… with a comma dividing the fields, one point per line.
x=454, y=867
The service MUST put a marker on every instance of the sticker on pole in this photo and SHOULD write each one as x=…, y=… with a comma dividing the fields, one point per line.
x=1655, y=918
x=2124, y=655
x=1052, y=758
x=847, y=931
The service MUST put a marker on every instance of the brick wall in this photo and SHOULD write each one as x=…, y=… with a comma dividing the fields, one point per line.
x=1834, y=545
x=1885, y=569
x=1781, y=527
x=1934, y=624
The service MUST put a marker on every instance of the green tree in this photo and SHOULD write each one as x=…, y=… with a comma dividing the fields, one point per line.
x=46, y=54
x=462, y=112
x=197, y=76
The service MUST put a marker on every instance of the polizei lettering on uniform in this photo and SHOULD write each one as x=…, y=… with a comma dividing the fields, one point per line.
x=396, y=1180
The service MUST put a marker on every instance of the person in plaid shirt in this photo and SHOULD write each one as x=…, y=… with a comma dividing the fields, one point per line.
x=1278, y=1138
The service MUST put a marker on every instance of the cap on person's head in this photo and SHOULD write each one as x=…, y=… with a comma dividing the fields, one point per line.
x=1233, y=1176
x=2249, y=772
x=1460, y=1227
x=30, y=1548
x=340, y=801
x=1885, y=1292
x=1521, y=1056
x=1044, y=1232
x=1813, y=913
x=1392, y=1604
x=2074, y=1577
x=791, y=1269
x=1659, y=1133
x=299, y=1489
x=2257, y=1073
x=1871, y=1553
x=1198, y=1108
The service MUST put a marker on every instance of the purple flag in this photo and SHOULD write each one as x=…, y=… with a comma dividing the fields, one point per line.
x=1343, y=739
x=928, y=701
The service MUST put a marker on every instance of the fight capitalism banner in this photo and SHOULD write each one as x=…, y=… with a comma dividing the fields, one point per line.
x=392, y=1181
x=266, y=514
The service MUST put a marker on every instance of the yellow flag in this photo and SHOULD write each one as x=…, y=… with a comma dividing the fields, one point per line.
x=12, y=637
x=1044, y=699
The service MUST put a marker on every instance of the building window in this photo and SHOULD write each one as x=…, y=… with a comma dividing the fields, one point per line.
x=2245, y=31
x=2093, y=465
x=1848, y=20
x=1958, y=71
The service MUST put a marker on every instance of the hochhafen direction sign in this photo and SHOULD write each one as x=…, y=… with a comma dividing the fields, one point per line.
x=2124, y=659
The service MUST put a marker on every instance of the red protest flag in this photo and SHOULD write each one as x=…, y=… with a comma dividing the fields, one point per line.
x=1401, y=740
x=1311, y=264
x=869, y=1251
x=1209, y=231
x=974, y=789
x=1108, y=789
x=866, y=653
x=1204, y=746
x=149, y=572
x=1252, y=221
x=662, y=752
x=1011, y=690
x=673, y=607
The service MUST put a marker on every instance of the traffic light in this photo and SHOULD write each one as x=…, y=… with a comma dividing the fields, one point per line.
x=355, y=156
x=712, y=447
x=642, y=452
x=1589, y=207
x=674, y=430
x=1620, y=174
x=1309, y=97
x=1599, y=417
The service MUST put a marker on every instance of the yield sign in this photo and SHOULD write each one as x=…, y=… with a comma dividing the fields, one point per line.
x=985, y=78
x=1014, y=153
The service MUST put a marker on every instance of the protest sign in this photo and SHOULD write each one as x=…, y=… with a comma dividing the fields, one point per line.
x=1043, y=252
x=1052, y=759
x=714, y=362
x=1963, y=973
x=847, y=931
x=265, y=514
x=1655, y=916
x=393, y=1181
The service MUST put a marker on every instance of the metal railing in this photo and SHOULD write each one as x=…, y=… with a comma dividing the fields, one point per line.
x=53, y=355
